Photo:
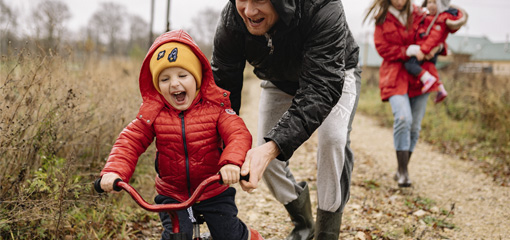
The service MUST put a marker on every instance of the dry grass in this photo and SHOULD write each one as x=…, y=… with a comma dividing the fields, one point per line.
x=59, y=119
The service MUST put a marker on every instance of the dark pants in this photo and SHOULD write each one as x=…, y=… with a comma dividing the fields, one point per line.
x=220, y=214
x=413, y=66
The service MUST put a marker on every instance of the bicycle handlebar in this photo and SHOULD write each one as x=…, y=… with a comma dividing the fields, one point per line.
x=119, y=185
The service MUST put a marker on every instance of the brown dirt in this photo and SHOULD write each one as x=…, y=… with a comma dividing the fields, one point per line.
x=450, y=198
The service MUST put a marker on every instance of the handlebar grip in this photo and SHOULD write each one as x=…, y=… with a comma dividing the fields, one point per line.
x=245, y=178
x=115, y=186
x=97, y=185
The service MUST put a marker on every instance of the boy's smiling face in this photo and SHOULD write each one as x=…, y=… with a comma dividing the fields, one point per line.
x=178, y=87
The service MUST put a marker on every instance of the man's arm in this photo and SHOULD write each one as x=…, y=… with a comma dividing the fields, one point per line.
x=228, y=59
x=320, y=81
x=256, y=163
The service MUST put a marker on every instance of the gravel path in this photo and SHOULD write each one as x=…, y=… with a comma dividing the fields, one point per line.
x=450, y=198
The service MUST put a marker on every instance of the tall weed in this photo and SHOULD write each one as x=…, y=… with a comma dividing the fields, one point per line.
x=59, y=119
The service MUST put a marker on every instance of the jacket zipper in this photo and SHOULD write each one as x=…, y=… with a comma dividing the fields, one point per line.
x=269, y=43
x=181, y=115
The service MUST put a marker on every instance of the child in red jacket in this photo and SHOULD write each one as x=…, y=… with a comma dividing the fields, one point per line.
x=191, y=119
x=431, y=41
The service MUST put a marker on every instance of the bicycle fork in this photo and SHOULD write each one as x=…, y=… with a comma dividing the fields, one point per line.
x=196, y=225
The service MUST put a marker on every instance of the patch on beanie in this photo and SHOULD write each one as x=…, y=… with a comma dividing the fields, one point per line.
x=172, y=57
x=161, y=54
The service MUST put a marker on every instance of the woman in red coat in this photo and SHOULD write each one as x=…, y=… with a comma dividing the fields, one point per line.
x=396, y=22
x=191, y=119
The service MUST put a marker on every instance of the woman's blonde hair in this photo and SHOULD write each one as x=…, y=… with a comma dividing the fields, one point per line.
x=379, y=9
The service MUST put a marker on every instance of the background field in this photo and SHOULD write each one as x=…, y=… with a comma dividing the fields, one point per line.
x=60, y=115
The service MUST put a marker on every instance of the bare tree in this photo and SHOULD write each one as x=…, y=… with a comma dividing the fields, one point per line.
x=204, y=26
x=7, y=17
x=109, y=22
x=8, y=23
x=49, y=17
x=138, y=31
x=203, y=29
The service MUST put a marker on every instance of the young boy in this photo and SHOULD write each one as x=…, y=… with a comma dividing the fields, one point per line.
x=191, y=119
x=431, y=36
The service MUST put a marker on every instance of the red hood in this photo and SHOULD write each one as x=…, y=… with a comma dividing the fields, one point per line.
x=153, y=101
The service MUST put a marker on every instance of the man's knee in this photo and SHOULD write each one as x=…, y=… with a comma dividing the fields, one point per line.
x=334, y=140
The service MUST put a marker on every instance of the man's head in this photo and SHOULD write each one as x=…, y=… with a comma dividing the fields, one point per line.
x=259, y=16
x=176, y=74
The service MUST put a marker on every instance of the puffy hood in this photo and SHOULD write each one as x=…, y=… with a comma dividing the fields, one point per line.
x=286, y=10
x=153, y=101
x=455, y=25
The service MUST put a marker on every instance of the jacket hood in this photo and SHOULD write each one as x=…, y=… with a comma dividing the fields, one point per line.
x=455, y=25
x=153, y=101
x=442, y=5
x=286, y=10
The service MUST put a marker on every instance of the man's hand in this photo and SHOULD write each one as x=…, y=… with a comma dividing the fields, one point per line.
x=107, y=181
x=256, y=163
x=230, y=174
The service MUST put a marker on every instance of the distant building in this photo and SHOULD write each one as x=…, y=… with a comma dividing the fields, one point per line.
x=479, y=55
x=370, y=61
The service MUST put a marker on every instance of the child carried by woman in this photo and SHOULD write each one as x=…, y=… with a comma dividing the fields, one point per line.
x=431, y=35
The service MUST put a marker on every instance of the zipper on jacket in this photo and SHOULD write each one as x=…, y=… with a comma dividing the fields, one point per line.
x=269, y=43
x=181, y=115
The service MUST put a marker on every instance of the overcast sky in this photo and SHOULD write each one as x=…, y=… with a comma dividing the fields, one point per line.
x=486, y=18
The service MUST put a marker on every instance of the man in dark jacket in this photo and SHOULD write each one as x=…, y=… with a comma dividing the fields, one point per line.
x=307, y=59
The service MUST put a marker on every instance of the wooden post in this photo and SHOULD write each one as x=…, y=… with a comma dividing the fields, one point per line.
x=168, y=17
x=151, y=34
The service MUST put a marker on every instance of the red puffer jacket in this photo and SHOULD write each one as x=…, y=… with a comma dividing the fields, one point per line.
x=439, y=30
x=447, y=22
x=391, y=41
x=189, y=143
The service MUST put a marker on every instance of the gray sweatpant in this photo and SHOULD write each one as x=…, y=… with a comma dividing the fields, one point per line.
x=334, y=156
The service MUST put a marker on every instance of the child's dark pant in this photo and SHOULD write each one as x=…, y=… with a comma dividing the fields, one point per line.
x=413, y=66
x=220, y=214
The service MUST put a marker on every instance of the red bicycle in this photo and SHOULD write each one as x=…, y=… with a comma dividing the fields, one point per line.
x=171, y=209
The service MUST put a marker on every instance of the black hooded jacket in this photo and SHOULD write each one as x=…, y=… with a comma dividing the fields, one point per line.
x=305, y=55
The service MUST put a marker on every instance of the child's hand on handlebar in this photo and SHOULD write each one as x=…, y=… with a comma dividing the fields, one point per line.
x=107, y=181
x=230, y=174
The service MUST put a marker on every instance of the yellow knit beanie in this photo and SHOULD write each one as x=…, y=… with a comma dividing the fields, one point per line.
x=175, y=54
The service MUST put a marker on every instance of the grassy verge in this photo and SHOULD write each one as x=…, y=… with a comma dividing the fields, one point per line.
x=59, y=119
